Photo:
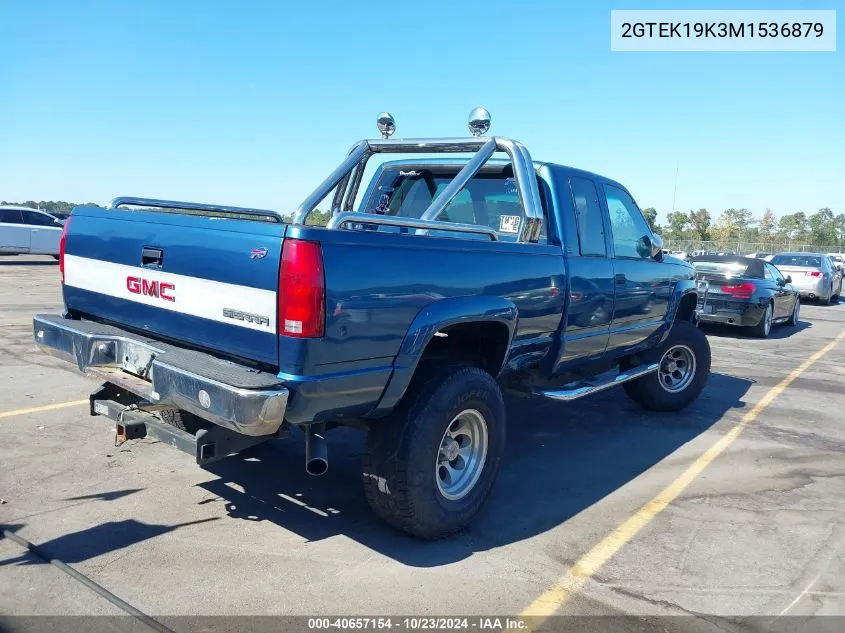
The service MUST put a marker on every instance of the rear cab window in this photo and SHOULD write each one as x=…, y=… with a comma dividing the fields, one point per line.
x=490, y=199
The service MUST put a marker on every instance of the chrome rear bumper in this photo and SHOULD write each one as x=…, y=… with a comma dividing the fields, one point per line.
x=147, y=369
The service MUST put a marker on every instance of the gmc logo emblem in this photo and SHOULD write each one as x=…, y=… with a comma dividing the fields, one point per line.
x=150, y=288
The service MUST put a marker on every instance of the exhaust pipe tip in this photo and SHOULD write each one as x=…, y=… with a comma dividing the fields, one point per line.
x=316, y=451
x=316, y=467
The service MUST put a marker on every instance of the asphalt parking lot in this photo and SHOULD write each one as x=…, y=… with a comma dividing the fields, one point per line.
x=758, y=528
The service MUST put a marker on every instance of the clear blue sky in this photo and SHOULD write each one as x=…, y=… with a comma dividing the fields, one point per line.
x=253, y=103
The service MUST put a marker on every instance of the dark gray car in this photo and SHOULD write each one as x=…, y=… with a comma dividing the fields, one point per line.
x=747, y=292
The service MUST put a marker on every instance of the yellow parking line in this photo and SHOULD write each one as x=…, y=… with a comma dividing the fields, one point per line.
x=589, y=564
x=46, y=407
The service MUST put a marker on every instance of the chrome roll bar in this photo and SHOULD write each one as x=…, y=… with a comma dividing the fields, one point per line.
x=347, y=179
x=190, y=206
x=427, y=225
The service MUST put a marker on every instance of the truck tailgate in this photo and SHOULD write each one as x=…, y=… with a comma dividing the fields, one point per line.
x=209, y=282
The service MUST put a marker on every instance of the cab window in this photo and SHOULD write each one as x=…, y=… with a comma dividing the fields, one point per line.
x=588, y=216
x=630, y=231
x=490, y=199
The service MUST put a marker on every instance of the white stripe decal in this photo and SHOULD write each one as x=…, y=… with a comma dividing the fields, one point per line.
x=191, y=295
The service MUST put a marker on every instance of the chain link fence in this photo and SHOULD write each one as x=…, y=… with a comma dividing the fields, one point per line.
x=747, y=248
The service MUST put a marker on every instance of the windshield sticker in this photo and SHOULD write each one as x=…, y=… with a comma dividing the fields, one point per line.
x=383, y=203
x=509, y=223
x=411, y=174
x=510, y=186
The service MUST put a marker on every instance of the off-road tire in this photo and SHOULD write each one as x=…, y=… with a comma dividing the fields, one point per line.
x=632, y=390
x=400, y=460
x=648, y=391
x=183, y=420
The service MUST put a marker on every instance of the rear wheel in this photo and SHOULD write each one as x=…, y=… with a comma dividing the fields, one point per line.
x=762, y=329
x=683, y=369
x=430, y=465
x=793, y=320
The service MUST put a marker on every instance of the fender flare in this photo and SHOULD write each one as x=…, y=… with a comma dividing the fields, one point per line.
x=683, y=288
x=431, y=319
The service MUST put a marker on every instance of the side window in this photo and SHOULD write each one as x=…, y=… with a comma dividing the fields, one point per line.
x=627, y=224
x=10, y=216
x=767, y=271
x=774, y=272
x=37, y=219
x=588, y=216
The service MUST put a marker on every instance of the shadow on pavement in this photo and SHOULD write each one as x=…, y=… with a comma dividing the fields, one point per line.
x=560, y=460
x=777, y=332
x=105, y=496
x=92, y=542
x=12, y=261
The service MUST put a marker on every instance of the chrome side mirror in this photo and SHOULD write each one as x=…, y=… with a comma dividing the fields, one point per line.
x=657, y=247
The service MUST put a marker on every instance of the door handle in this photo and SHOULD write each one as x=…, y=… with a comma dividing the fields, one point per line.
x=152, y=257
x=621, y=280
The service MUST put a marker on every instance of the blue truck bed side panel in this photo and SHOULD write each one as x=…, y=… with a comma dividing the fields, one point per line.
x=377, y=283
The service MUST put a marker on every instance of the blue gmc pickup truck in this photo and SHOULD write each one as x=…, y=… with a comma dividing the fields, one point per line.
x=432, y=290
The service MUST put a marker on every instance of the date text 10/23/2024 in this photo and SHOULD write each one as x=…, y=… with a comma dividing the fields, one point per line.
x=419, y=623
x=723, y=30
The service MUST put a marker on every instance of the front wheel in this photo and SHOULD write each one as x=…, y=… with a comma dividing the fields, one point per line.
x=430, y=465
x=683, y=369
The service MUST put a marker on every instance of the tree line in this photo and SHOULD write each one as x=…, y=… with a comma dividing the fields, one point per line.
x=58, y=206
x=822, y=228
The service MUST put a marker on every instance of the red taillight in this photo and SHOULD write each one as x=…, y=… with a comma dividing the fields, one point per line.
x=813, y=273
x=62, y=242
x=740, y=291
x=302, y=294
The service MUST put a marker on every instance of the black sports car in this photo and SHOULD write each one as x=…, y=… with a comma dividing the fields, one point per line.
x=747, y=292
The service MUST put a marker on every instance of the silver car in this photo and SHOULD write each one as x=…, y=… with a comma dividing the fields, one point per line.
x=25, y=230
x=813, y=274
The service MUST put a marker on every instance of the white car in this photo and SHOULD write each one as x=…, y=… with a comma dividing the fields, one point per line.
x=25, y=230
x=838, y=259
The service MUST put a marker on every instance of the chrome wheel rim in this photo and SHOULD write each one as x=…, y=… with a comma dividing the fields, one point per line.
x=677, y=368
x=461, y=456
x=767, y=325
